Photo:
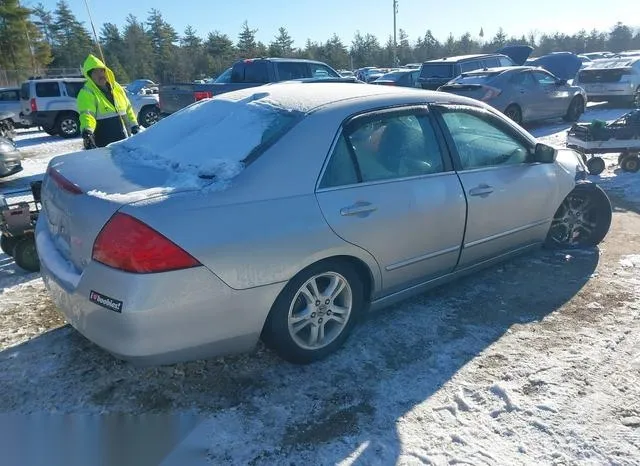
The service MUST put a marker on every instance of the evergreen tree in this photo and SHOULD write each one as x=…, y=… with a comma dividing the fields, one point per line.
x=247, y=45
x=43, y=21
x=282, y=46
x=220, y=51
x=165, y=51
x=71, y=41
x=137, y=56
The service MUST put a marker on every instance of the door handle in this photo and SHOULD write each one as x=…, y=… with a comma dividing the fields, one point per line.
x=483, y=190
x=361, y=209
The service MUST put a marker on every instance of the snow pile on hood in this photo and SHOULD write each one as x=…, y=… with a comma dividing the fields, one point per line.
x=207, y=140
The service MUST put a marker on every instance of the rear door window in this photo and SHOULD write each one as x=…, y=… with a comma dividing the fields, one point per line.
x=293, y=70
x=491, y=62
x=470, y=66
x=48, y=89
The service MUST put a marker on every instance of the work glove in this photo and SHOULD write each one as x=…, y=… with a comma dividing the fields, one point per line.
x=88, y=139
x=135, y=129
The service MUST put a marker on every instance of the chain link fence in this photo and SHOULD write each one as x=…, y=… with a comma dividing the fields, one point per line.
x=10, y=78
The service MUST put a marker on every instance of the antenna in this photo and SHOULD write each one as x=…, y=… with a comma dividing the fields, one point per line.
x=93, y=28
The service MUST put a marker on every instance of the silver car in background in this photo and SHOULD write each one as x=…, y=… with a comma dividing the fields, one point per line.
x=523, y=93
x=187, y=241
x=615, y=80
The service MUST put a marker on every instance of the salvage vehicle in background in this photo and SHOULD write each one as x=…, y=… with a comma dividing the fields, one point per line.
x=612, y=80
x=244, y=74
x=523, y=93
x=287, y=212
x=403, y=78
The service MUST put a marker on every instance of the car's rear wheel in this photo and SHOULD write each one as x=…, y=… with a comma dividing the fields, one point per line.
x=68, y=125
x=630, y=164
x=316, y=311
x=582, y=220
x=514, y=113
x=575, y=110
x=26, y=255
x=7, y=243
x=596, y=165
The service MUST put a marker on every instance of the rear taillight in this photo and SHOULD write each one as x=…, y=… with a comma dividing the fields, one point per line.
x=34, y=105
x=125, y=243
x=200, y=95
x=62, y=182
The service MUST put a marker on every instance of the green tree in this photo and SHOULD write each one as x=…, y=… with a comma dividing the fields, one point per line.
x=247, y=45
x=113, y=47
x=137, y=58
x=219, y=51
x=43, y=21
x=193, y=61
x=14, y=42
x=165, y=51
x=71, y=41
x=621, y=38
x=282, y=46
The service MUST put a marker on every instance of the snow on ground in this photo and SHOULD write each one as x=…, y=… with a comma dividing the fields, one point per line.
x=536, y=361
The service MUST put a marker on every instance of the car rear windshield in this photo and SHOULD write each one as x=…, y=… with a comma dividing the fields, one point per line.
x=476, y=78
x=392, y=76
x=211, y=139
x=437, y=70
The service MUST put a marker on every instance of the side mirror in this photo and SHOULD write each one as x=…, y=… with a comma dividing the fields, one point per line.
x=544, y=153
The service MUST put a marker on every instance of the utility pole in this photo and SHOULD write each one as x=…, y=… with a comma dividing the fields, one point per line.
x=395, y=40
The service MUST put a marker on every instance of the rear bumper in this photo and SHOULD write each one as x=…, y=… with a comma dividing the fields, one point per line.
x=165, y=317
x=609, y=91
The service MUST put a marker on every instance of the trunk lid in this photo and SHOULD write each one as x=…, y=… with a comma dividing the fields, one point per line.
x=75, y=216
x=474, y=91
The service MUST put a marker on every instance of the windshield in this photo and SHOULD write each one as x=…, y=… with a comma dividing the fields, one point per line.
x=437, y=70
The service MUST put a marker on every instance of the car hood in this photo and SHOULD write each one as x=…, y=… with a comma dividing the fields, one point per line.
x=563, y=65
x=518, y=53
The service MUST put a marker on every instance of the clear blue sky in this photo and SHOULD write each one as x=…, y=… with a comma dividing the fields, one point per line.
x=319, y=19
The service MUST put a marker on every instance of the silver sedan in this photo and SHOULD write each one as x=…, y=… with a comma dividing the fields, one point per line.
x=288, y=211
x=523, y=93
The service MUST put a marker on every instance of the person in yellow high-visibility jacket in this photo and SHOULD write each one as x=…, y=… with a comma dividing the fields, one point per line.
x=106, y=114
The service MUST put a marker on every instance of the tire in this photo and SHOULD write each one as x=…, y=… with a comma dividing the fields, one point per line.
x=68, y=125
x=148, y=116
x=575, y=110
x=630, y=164
x=621, y=157
x=7, y=244
x=596, y=165
x=514, y=113
x=635, y=103
x=26, y=255
x=295, y=346
x=582, y=220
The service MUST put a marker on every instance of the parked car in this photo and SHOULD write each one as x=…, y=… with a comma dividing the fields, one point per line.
x=177, y=245
x=403, y=78
x=10, y=103
x=244, y=74
x=612, y=80
x=523, y=93
x=436, y=73
x=146, y=106
x=51, y=104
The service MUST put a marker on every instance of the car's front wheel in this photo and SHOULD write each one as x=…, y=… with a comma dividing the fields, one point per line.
x=514, y=113
x=582, y=220
x=316, y=311
x=575, y=110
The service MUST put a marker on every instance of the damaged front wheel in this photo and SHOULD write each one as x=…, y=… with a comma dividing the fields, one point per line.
x=582, y=220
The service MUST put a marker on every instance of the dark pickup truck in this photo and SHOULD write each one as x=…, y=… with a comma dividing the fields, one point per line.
x=244, y=74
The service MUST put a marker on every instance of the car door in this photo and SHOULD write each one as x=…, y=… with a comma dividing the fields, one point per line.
x=510, y=200
x=10, y=102
x=389, y=189
x=530, y=96
x=554, y=95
